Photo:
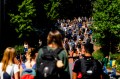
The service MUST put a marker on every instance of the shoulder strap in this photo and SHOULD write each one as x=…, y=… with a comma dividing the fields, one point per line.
x=23, y=65
x=45, y=50
x=57, y=51
x=54, y=52
x=34, y=66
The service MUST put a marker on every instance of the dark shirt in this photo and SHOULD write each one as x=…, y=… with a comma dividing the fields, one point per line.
x=77, y=66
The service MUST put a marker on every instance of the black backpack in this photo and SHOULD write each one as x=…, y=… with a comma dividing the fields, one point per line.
x=89, y=69
x=48, y=68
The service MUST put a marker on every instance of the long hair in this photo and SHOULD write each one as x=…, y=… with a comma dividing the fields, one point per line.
x=8, y=57
x=31, y=52
x=55, y=37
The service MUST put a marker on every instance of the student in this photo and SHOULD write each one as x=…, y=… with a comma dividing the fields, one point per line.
x=55, y=41
x=87, y=67
x=66, y=45
x=105, y=62
x=8, y=64
x=113, y=72
x=30, y=60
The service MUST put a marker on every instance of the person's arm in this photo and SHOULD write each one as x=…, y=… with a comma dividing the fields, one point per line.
x=21, y=69
x=74, y=75
x=16, y=61
x=38, y=58
x=101, y=76
x=64, y=57
x=76, y=69
x=16, y=72
x=16, y=75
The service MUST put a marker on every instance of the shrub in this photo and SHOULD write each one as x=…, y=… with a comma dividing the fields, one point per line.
x=98, y=55
x=19, y=49
x=117, y=57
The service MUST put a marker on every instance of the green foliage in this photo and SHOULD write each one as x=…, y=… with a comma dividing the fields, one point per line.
x=51, y=9
x=23, y=19
x=116, y=56
x=98, y=55
x=19, y=49
x=118, y=68
x=106, y=26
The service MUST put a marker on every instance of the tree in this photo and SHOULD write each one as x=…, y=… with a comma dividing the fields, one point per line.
x=51, y=8
x=106, y=26
x=23, y=20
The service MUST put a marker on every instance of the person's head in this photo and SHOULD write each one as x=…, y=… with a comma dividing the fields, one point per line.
x=25, y=44
x=80, y=40
x=8, y=57
x=88, y=47
x=31, y=53
x=66, y=40
x=55, y=37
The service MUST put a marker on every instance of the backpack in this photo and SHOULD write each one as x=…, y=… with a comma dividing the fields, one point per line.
x=88, y=69
x=28, y=73
x=6, y=75
x=48, y=68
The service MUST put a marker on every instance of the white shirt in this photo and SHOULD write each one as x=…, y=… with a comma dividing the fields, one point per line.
x=9, y=68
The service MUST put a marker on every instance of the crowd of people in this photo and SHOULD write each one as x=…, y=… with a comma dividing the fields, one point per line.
x=76, y=31
x=51, y=61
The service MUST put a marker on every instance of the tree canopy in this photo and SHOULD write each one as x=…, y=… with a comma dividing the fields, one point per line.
x=23, y=20
x=106, y=14
x=51, y=9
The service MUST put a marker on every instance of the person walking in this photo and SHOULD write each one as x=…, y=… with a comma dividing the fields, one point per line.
x=8, y=68
x=54, y=42
x=30, y=60
x=27, y=69
x=105, y=62
x=113, y=72
x=87, y=67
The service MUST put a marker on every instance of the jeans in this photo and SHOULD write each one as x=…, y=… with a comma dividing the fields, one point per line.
x=113, y=73
x=105, y=70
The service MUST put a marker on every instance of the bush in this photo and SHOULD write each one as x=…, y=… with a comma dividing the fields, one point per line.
x=118, y=68
x=117, y=57
x=98, y=55
x=19, y=49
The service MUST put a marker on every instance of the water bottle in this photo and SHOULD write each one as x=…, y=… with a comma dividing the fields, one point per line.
x=46, y=69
